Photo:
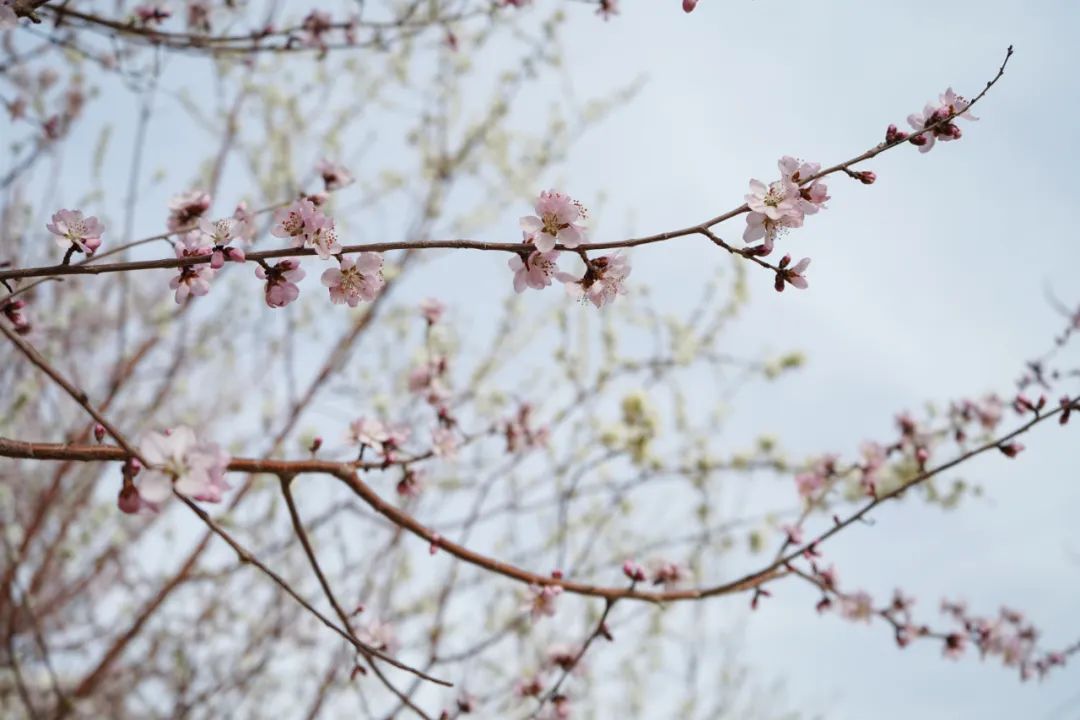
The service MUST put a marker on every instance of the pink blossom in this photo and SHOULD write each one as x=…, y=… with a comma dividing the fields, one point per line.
x=792, y=275
x=809, y=198
x=669, y=574
x=71, y=229
x=558, y=219
x=355, y=279
x=858, y=606
x=281, y=279
x=292, y=222
x=774, y=201
x=603, y=280
x=432, y=310
x=322, y=236
x=198, y=15
x=179, y=461
x=192, y=279
x=760, y=226
x=634, y=571
x=793, y=533
x=954, y=645
x=315, y=25
x=334, y=176
x=444, y=443
x=412, y=484
x=219, y=234
x=151, y=12
x=13, y=311
x=951, y=106
x=809, y=483
x=366, y=431
x=379, y=635
x=187, y=208
x=535, y=271
x=530, y=686
x=564, y=657
x=541, y=600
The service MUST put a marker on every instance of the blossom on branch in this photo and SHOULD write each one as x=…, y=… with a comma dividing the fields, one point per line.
x=535, y=271
x=193, y=279
x=559, y=219
x=602, y=282
x=355, y=279
x=72, y=230
x=219, y=234
x=950, y=107
x=179, y=461
x=281, y=279
x=541, y=600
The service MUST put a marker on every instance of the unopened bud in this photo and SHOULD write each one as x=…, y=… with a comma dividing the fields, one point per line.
x=99, y=432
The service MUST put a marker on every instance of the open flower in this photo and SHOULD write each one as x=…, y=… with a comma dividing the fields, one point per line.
x=541, y=600
x=379, y=635
x=534, y=271
x=219, y=234
x=292, y=222
x=179, y=461
x=355, y=279
x=281, y=279
x=558, y=219
x=603, y=280
x=72, y=229
x=322, y=236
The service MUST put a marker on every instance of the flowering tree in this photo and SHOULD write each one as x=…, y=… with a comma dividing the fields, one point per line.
x=248, y=463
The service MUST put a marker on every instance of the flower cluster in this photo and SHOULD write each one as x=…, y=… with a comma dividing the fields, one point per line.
x=560, y=220
x=179, y=461
x=784, y=203
x=306, y=225
x=934, y=123
x=520, y=434
x=193, y=279
x=385, y=439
